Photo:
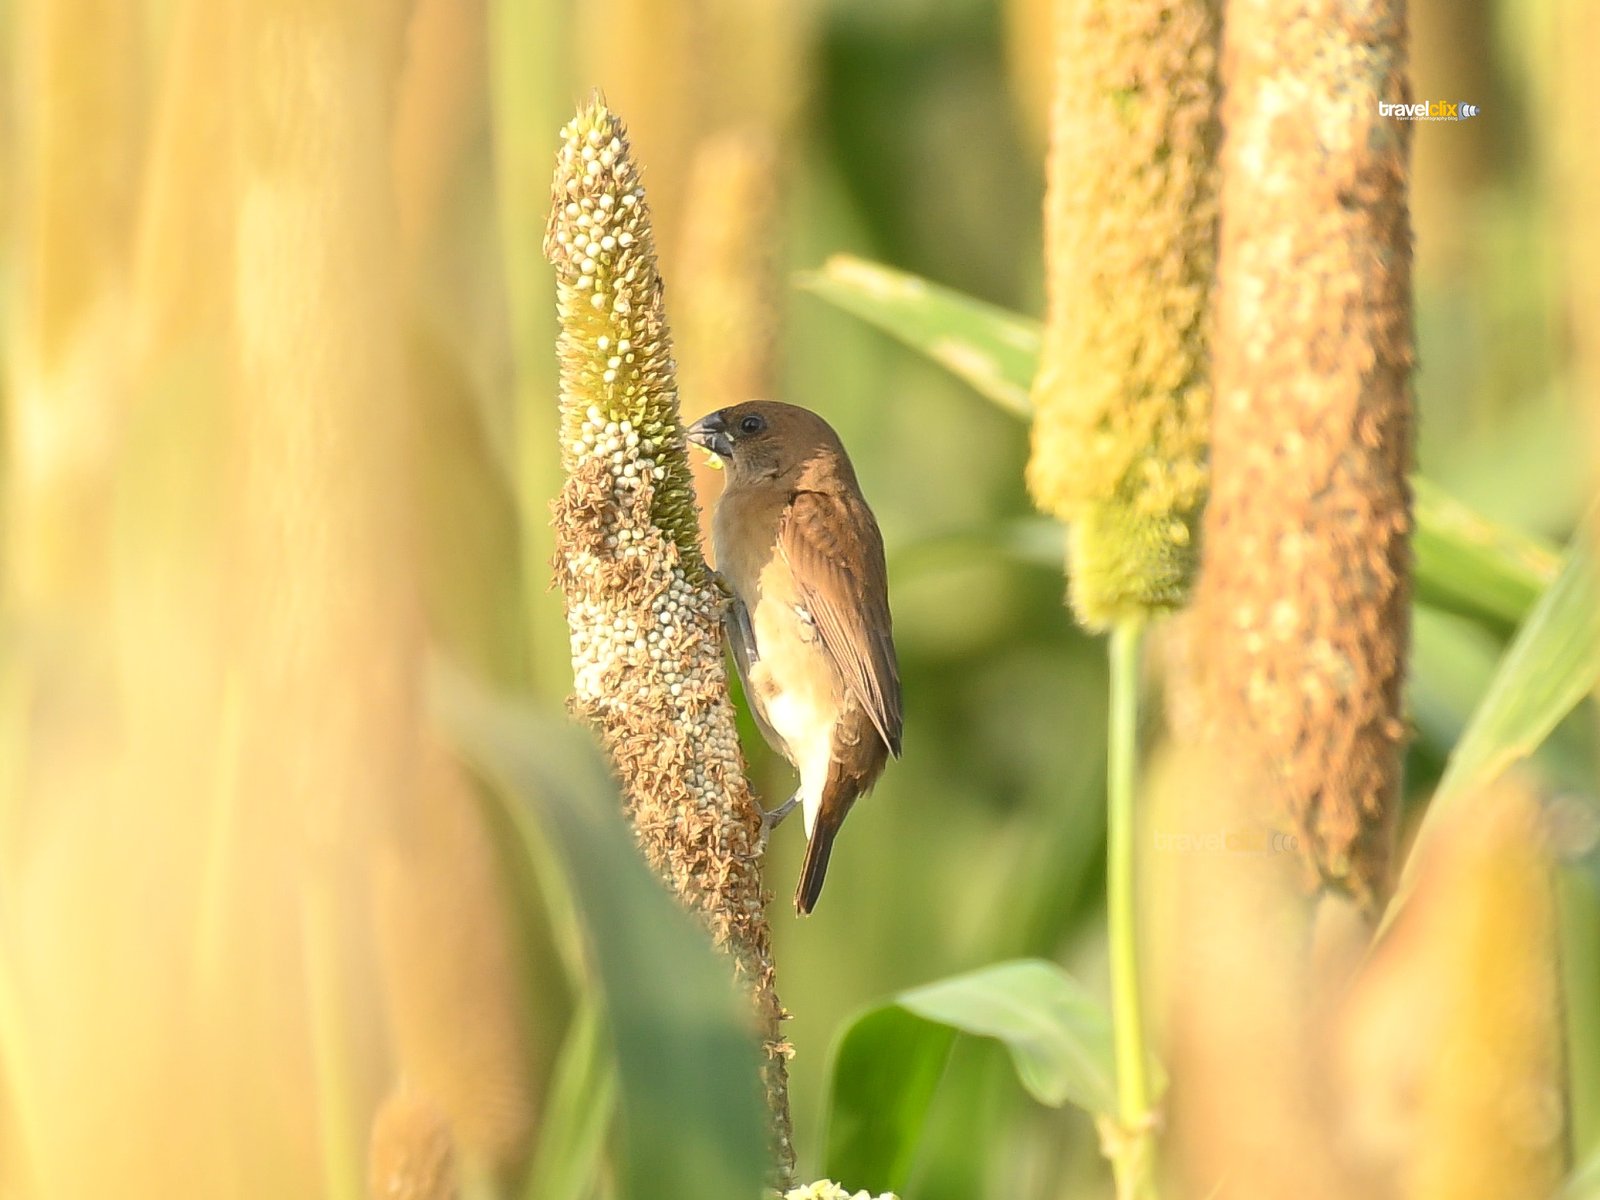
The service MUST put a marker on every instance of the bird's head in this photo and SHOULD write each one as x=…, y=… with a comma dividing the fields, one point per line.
x=764, y=439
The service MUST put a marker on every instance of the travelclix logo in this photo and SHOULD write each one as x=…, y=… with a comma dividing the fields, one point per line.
x=1429, y=110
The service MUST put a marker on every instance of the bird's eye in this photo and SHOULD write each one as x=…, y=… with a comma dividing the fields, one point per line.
x=752, y=424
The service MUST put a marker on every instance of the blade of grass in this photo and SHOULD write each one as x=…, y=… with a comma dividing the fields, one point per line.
x=1474, y=567
x=1453, y=663
x=583, y=1097
x=1550, y=666
x=994, y=350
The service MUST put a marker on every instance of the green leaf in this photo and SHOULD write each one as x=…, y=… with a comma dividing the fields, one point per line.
x=582, y=1100
x=1453, y=663
x=887, y=1064
x=1465, y=563
x=1550, y=666
x=690, y=1111
x=886, y=1068
x=1058, y=1035
x=1585, y=1181
x=994, y=350
x=1472, y=566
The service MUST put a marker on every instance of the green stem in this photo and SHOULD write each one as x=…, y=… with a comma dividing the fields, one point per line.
x=335, y=1099
x=1131, y=1148
x=1578, y=917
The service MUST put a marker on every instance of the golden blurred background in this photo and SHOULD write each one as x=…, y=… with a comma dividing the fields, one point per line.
x=279, y=429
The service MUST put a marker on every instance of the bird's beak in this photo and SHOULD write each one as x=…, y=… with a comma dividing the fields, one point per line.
x=710, y=432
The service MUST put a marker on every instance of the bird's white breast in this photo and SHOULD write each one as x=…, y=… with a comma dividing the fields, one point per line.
x=792, y=683
x=795, y=687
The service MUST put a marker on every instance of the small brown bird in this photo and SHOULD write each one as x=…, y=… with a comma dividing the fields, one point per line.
x=809, y=619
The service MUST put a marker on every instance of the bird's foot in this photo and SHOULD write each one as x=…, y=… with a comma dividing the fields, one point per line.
x=771, y=819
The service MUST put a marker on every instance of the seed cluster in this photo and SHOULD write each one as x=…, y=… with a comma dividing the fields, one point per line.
x=1122, y=400
x=642, y=610
x=826, y=1189
x=648, y=670
x=615, y=352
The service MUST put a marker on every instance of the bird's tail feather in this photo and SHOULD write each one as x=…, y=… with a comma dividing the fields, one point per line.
x=815, y=870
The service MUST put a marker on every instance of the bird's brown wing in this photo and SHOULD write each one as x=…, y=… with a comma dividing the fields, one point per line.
x=835, y=554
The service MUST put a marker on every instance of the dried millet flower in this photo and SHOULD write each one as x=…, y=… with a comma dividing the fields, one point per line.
x=643, y=612
x=1122, y=399
x=1303, y=609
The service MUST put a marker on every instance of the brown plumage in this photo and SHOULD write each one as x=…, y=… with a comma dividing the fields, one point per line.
x=809, y=621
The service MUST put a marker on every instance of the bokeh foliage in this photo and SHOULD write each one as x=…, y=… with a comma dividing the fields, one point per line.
x=171, y=889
